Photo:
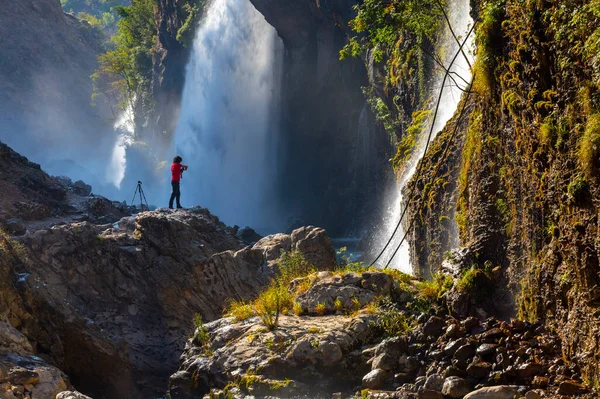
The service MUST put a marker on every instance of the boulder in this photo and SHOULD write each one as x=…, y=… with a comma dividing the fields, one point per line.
x=51, y=382
x=315, y=244
x=497, y=392
x=248, y=235
x=435, y=382
x=434, y=326
x=456, y=387
x=81, y=188
x=273, y=245
x=374, y=379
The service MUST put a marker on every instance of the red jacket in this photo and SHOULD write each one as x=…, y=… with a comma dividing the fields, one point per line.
x=176, y=170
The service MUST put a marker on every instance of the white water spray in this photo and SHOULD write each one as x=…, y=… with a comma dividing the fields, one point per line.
x=229, y=123
x=125, y=125
x=461, y=21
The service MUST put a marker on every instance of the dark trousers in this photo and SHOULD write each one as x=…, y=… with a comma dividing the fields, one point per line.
x=175, y=194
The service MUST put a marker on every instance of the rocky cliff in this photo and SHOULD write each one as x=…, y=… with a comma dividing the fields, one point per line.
x=110, y=304
x=45, y=86
x=522, y=170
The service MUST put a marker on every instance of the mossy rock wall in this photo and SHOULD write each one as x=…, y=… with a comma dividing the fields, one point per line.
x=527, y=168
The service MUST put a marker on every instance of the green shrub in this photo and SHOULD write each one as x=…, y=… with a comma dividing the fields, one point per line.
x=589, y=149
x=433, y=289
x=390, y=319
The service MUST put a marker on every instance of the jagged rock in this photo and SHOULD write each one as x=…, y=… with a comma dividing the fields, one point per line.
x=81, y=188
x=71, y=395
x=314, y=243
x=273, y=245
x=456, y=387
x=451, y=348
x=486, y=350
x=497, y=392
x=248, y=235
x=394, y=347
x=103, y=210
x=51, y=382
x=528, y=370
x=142, y=282
x=374, y=379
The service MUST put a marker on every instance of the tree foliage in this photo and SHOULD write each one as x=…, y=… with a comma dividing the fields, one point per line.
x=382, y=23
x=125, y=71
x=98, y=13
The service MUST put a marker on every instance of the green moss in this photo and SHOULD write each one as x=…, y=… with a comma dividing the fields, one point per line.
x=589, y=146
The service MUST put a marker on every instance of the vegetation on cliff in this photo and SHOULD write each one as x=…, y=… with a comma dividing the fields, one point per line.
x=126, y=68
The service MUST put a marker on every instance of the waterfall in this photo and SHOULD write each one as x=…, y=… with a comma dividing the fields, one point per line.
x=461, y=21
x=125, y=127
x=229, y=122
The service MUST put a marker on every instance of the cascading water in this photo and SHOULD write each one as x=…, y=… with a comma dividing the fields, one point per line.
x=125, y=126
x=461, y=21
x=229, y=123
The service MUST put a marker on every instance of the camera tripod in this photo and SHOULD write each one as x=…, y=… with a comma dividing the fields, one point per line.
x=139, y=191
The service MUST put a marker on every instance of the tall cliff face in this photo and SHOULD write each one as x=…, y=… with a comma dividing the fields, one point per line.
x=526, y=162
x=45, y=86
x=347, y=162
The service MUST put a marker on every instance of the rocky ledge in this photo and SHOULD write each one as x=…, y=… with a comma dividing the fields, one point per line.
x=112, y=305
x=372, y=334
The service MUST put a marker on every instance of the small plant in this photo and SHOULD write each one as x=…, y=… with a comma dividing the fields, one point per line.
x=320, y=309
x=391, y=320
x=338, y=305
x=589, y=150
x=314, y=343
x=356, y=304
x=297, y=308
x=433, y=289
x=467, y=281
x=201, y=336
x=240, y=310
x=313, y=330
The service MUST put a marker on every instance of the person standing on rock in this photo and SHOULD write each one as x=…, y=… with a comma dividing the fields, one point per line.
x=176, y=172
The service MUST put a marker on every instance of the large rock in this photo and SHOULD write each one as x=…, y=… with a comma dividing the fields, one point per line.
x=141, y=281
x=27, y=192
x=314, y=243
x=316, y=353
x=337, y=293
x=498, y=392
x=456, y=387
